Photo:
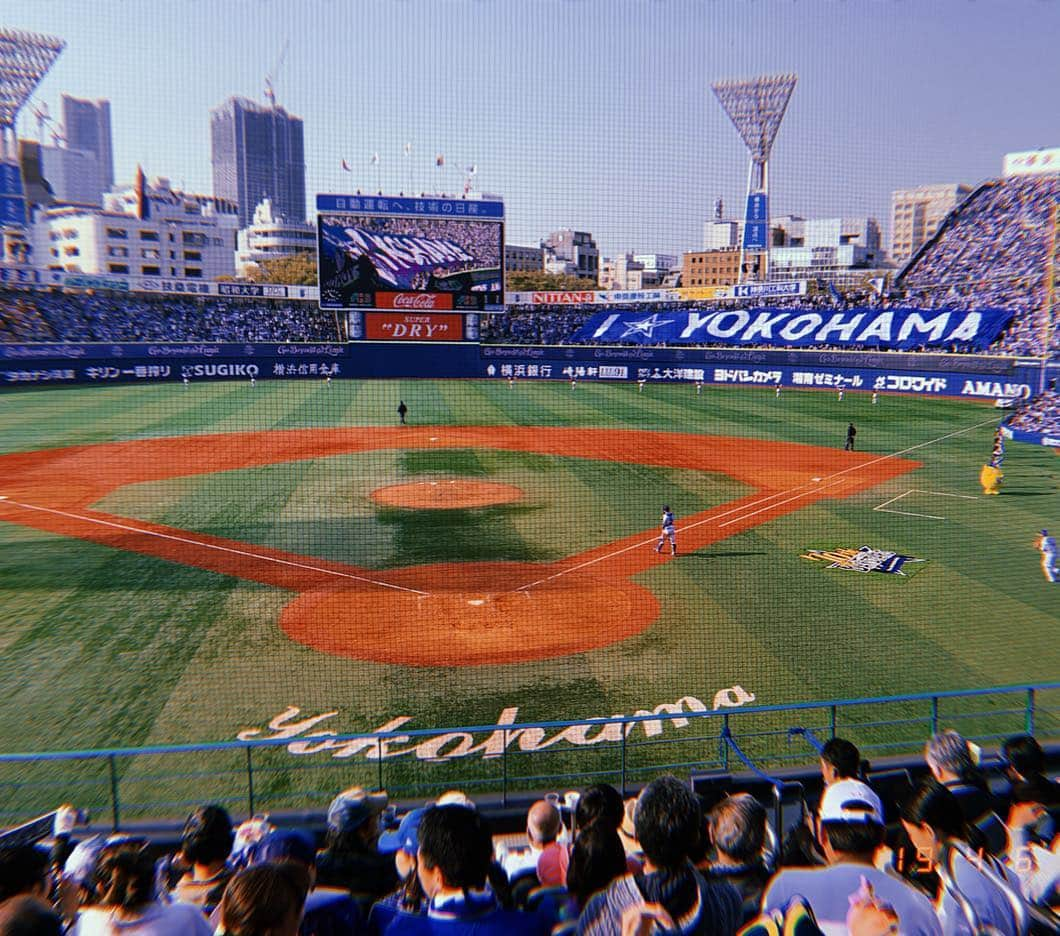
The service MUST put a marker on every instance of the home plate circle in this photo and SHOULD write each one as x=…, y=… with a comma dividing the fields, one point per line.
x=474, y=614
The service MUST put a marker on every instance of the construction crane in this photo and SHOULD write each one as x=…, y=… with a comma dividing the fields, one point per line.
x=40, y=111
x=274, y=73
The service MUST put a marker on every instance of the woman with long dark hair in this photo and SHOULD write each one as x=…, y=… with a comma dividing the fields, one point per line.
x=977, y=893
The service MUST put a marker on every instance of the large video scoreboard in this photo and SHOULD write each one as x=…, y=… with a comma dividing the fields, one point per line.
x=414, y=254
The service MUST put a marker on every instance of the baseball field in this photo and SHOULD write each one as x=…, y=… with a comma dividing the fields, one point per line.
x=186, y=564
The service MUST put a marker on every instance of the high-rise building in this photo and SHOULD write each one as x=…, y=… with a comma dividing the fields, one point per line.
x=86, y=126
x=75, y=175
x=917, y=213
x=256, y=151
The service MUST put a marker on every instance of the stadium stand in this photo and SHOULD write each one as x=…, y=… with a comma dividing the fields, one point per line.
x=1041, y=414
x=993, y=250
x=928, y=875
x=27, y=315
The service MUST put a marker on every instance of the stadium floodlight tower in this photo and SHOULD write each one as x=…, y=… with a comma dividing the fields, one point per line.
x=24, y=60
x=756, y=106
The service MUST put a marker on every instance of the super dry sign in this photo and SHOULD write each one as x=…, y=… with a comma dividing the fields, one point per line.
x=396, y=326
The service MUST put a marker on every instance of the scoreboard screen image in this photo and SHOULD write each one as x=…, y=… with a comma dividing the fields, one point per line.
x=394, y=253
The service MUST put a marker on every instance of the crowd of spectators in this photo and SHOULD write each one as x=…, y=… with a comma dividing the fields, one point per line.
x=951, y=856
x=54, y=315
x=993, y=252
x=1040, y=414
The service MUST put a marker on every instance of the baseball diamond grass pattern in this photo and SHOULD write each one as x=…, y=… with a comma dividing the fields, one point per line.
x=105, y=647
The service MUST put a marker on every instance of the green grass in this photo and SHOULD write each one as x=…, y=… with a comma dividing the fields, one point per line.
x=101, y=647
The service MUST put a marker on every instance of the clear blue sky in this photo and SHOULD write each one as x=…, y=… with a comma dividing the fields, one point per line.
x=593, y=114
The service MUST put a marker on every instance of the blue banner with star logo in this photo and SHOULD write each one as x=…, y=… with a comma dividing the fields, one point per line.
x=865, y=327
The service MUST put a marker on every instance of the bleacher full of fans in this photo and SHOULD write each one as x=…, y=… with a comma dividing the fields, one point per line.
x=994, y=251
x=54, y=315
x=957, y=851
x=1041, y=414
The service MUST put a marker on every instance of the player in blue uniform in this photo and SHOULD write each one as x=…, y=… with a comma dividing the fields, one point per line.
x=1047, y=547
x=668, y=532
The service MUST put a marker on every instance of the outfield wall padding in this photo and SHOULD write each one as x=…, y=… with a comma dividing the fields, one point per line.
x=930, y=374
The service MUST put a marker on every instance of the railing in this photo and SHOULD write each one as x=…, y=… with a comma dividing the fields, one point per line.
x=302, y=769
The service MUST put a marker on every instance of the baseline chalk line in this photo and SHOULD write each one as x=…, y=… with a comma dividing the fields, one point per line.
x=204, y=545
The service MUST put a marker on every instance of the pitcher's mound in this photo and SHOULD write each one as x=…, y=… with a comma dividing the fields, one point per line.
x=449, y=494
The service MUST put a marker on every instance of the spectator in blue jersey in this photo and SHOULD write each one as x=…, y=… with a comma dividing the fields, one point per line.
x=265, y=900
x=329, y=911
x=669, y=826
x=404, y=843
x=350, y=858
x=454, y=857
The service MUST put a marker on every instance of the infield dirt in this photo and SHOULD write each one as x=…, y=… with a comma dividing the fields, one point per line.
x=437, y=615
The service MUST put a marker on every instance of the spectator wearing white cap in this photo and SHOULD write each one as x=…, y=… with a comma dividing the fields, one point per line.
x=851, y=829
x=350, y=858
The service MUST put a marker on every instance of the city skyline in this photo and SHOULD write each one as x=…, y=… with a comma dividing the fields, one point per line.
x=591, y=115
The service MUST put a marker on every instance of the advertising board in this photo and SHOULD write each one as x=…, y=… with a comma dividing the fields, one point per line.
x=382, y=326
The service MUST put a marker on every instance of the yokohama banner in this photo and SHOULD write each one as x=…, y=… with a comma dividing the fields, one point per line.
x=899, y=329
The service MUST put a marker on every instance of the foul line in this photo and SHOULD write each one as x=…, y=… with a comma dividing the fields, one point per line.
x=908, y=513
x=831, y=479
x=204, y=545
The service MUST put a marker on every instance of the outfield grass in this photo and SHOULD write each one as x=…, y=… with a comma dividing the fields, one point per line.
x=101, y=647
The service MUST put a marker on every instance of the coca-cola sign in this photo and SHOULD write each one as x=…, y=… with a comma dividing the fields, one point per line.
x=413, y=300
x=385, y=326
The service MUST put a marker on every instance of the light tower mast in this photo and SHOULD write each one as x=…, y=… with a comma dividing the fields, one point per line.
x=756, y=107
x=25, y=58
